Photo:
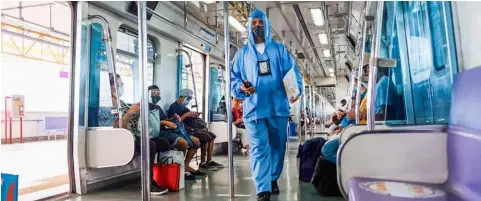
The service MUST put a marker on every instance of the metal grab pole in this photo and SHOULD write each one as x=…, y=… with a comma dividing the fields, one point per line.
x=111, y=62
x=359, y=76
x=144, y=103
x=371, y=116
x=312, y=111
x=227, y=99
x=304, y=109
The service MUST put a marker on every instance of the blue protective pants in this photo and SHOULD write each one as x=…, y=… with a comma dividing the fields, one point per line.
x=267, y=138
x=329, y=150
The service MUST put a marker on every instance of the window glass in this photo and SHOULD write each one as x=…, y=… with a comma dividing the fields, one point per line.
x=198, y=63
x=126, y=63
x=217, y=92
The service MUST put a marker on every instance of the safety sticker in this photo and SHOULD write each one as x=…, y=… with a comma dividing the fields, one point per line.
x=400, y=189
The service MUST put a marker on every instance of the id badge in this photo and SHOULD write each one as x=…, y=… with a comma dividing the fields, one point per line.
x=264, y=68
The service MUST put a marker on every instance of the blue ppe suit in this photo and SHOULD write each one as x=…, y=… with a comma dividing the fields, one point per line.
x=267, y=110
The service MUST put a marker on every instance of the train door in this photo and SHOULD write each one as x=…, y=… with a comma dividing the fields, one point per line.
x=35, y=71
x=428, y=35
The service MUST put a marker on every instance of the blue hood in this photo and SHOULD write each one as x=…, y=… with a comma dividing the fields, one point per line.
x=267, y=28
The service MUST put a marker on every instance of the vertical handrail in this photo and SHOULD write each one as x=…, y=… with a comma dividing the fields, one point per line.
x=359, y=73
x=227, y=99
x=110, y=56
x=193, y=77
x=304, y=109
x=144, y=104
x=371, y=116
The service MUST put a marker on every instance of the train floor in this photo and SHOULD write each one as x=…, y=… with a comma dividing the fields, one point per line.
x=214, y=186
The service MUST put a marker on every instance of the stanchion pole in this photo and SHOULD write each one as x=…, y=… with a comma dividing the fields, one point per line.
x=227, y=99
x=144, y=104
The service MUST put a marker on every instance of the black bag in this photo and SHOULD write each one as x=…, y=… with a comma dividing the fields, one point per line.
x=325, y=178
x=196, y=124
x=307, y=155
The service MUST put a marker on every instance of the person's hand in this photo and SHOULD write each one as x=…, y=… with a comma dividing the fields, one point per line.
x=191, y=114
x=351, y=115
x=249, y=90
x=238, y=121
x=197, y=114
x=134, y=108
x=169, y=124
x=176, y=117
x=294, y=99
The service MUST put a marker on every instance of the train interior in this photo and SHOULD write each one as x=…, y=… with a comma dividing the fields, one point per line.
x=412, y=66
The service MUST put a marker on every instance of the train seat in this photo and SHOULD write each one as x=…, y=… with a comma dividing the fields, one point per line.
x=436, y=164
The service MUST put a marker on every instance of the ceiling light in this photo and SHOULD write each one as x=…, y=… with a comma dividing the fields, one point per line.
x=331, y=70
x=236, y=24
x=317, y=16
x=209, y=2
x=327, y=53
x=323, y=38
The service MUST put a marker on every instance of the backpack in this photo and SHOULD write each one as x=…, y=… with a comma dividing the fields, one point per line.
x=154, y=124
x=325, y=178
x=196, y=123
x=307, y=155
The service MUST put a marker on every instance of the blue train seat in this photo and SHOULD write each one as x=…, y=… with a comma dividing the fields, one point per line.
x=404, y=165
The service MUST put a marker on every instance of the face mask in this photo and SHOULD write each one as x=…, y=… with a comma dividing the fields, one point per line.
x=258, y=31
x=155, y=99
x=120, y=91
x=185, y=102
x=365, y=78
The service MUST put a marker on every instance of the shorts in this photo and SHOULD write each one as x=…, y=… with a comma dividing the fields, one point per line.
x=204, y=136
x=173, y=138
x=159, y=143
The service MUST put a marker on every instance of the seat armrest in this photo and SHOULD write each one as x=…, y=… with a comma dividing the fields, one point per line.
x=403, y=155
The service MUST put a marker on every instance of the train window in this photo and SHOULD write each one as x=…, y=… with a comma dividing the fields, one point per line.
x=126, y=62
x=198, y=66
x=217, y=110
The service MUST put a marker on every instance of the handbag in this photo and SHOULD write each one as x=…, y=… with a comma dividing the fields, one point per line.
x=167, y=173
x=9, y=187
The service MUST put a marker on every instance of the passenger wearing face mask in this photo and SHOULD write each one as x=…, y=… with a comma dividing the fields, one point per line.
x=130, y=118
x=206, y=138
x=257, y=78
x=172, y=130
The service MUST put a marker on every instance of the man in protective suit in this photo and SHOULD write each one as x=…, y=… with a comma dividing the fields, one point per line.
x=257, y=78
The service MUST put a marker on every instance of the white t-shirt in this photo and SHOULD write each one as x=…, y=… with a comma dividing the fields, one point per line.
x=261, y=47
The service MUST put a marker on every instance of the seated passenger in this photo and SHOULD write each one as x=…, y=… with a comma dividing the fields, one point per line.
x=189, y=118
x=157, y=144
x=169, y=130
x=239, y=122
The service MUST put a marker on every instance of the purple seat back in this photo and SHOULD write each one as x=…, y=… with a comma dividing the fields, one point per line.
x=56, y=123
x=464, y=135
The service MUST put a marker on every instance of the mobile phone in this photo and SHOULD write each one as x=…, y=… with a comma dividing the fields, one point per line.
x=247, y=84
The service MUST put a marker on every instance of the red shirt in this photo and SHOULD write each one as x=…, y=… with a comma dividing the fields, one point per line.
x=236, y=113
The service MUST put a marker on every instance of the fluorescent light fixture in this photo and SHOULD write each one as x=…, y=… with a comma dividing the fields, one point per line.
x=317, y=16
x=236, y=24
x=209, y=2
x=327, y=53
x=323, y=38
x=196, y=3
x=332, y=74
x=331, y=70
